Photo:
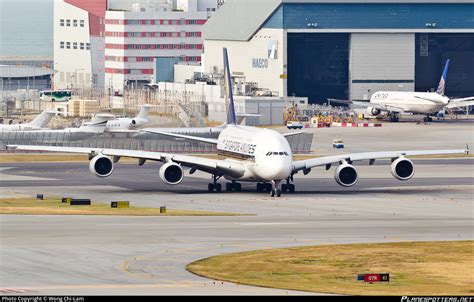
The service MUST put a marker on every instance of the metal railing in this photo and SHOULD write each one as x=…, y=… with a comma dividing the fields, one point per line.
x=300, y=144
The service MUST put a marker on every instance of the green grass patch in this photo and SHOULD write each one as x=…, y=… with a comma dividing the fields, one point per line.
x=54, y=206
x=416, y=268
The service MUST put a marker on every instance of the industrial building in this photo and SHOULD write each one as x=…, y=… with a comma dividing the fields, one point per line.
x=79, y=43
x=111, y=43
x=344, y=49
x=143, y=37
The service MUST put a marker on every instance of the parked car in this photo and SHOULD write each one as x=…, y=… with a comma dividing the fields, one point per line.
x=294, y=125
x=338, y=144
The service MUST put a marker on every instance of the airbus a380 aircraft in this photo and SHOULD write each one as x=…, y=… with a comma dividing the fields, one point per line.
x=39, y=123
x=392, y=103
x=246, y=154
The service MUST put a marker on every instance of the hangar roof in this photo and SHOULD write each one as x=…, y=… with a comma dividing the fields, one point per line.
x=239, y=20
x=21, y=71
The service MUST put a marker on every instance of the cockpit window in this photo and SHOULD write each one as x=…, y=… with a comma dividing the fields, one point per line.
x=270, y=153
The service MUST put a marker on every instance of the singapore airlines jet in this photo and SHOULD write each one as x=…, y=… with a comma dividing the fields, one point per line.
x=40, y=122
x=247, y=154
x=392, y=103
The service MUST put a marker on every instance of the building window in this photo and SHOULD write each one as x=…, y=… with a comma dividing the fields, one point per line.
x=68, y=45
x=61, y=22
x=81, y=23
x=88, y=46
x=82, y=46
x=61, y=44
x=68, y=22
x=74, y=23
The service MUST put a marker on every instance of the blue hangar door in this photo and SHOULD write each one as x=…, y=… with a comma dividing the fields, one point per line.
x=318, y=66
x=432, y=51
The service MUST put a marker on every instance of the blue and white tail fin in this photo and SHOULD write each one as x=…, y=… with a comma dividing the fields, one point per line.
x=442, y=82
x=229, y=97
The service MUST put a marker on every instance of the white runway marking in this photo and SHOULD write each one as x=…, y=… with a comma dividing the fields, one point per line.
x=8, y=177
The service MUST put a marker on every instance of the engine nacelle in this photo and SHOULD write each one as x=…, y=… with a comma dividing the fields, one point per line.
x=171, y=173
x=374, y=111
x=102, y=166
x=402, y=169
x=346, y=175
x=137, y=122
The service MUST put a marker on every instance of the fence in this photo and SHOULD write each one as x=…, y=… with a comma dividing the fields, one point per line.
x=131, y=141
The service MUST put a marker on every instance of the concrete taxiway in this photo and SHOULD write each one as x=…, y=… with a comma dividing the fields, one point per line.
x=69, y=255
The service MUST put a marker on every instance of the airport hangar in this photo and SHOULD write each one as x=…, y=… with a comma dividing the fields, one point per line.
x=344, y=49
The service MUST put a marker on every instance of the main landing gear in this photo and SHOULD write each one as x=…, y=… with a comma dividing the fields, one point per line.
x=288, y=187
x=233, y=187
x=214, y=186
x=394, y=118
x=427, y=119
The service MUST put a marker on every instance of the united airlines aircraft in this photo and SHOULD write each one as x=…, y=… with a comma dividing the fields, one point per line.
x=246, y=154
x=392, y=103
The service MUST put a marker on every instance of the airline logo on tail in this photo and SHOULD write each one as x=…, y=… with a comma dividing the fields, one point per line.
x=229, y=97
x=442, y=82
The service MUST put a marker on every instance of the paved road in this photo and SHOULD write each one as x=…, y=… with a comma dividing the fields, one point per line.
x=147, y=255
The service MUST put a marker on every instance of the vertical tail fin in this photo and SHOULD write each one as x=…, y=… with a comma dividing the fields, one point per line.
x=42, y=119
x=229, y=97
x=442, y=82
x=144, y=112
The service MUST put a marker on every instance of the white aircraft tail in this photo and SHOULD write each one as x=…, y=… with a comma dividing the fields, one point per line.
x=144, y=112
x=43, y=119
x=442, y=83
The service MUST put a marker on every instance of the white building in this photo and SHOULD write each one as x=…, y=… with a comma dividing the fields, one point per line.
x=142, y=31
x=79, y=43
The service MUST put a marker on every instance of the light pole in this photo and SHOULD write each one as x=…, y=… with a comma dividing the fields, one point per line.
x=75, y=73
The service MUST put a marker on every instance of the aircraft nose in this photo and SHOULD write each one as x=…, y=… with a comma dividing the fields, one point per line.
x=277, y=168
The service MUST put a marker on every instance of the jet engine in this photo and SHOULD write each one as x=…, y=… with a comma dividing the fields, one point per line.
x=138, y=122
x=346, y=175
x=374, y=111
x=171, y=173
x=402, y=169
x=102, y=166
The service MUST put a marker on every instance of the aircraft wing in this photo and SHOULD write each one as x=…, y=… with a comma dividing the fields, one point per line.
x=328, y=160
x=213, y=166
x=430, y=100
x=188, y=137
x=471, y=98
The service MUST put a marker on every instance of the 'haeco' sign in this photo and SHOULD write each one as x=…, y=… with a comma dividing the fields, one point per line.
x=260, y=63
